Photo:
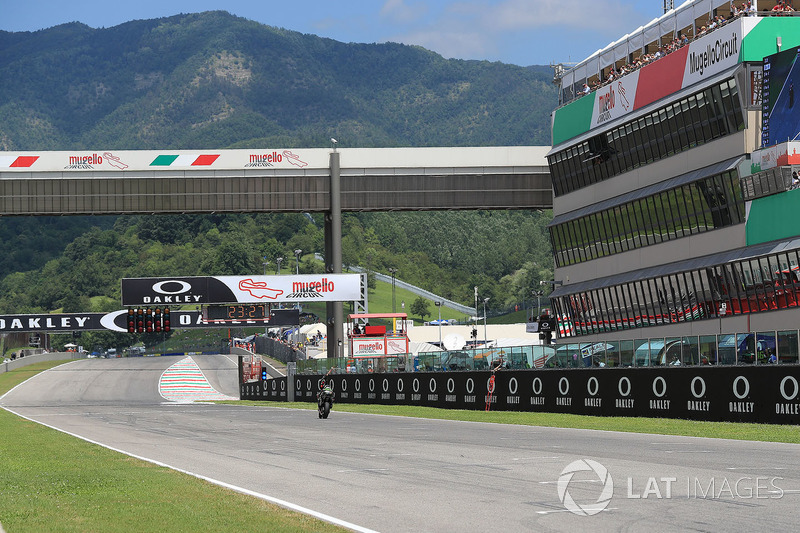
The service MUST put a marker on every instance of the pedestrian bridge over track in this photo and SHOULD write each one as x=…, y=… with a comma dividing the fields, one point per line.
x=112, y=182
x=286, y=180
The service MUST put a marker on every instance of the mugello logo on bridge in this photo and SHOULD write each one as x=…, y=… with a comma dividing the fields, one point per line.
x=238, y=289
x=264, y=160
x=93, y=159
x=313, y=289
x=267, y=160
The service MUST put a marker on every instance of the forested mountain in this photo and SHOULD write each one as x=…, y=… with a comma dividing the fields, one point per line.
x=215, y=80
x=212, y=80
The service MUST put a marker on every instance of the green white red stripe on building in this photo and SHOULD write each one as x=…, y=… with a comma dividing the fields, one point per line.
x=184, y=160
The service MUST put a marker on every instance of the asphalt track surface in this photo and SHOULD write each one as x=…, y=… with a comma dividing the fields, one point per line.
x=396, y=474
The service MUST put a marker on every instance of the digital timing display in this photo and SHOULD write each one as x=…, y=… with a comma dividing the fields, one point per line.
x=237, y=312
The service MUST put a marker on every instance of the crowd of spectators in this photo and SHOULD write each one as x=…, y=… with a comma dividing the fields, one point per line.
x=782, y=8
x=13, y=356
x=744, y=10
x=296, y=346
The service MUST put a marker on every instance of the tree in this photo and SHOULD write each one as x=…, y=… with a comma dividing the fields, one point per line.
x=231, y=258
x=420, y=308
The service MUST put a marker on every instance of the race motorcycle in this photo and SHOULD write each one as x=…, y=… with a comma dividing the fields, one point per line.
x=324, y=400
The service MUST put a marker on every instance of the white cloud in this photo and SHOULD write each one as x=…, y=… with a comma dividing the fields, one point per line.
x=612, y=16
x=399, y=12
x=479, y=28
x=450, y=43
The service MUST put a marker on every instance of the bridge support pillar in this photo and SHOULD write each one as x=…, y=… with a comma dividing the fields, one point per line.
x=333, y=256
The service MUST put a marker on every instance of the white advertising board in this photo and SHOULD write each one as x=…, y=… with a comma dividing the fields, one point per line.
x=241, y=289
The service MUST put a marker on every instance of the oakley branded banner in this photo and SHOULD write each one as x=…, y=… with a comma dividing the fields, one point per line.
x=241, y=289
x=117, y=321
x=53, y=322
x=761, y=394
x=273, y=389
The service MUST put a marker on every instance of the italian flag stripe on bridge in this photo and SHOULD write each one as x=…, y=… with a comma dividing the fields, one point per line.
x=186, y=160
x=21, y=161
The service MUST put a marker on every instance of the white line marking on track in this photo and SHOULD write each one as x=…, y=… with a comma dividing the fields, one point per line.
x=568, y=511
x=688, y=451
x=363, y=470
x=756, y=468
x=571, y=481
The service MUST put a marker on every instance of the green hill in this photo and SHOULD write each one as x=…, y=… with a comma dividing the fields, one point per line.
x=215, y=80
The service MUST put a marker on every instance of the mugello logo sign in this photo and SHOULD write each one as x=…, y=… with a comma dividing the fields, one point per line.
x=240, y=289
x=368, y=347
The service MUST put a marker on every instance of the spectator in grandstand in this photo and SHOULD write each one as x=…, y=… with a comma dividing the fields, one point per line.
x=586, y=89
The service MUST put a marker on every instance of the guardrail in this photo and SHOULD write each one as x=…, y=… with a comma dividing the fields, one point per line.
x=31, y=359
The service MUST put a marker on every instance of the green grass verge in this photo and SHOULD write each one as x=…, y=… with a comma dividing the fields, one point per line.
x=659, y=426
x=50, y=481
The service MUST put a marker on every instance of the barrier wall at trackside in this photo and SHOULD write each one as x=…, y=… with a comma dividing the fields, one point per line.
x=30, y=359
x=763, y=394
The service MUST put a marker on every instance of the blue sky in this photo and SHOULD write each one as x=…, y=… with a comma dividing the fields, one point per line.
x=520, y=32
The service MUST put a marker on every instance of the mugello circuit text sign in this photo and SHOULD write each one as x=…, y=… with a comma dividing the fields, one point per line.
x=241, y=289
x=378, y=346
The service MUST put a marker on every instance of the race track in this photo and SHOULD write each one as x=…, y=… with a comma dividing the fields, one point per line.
x=397, y=474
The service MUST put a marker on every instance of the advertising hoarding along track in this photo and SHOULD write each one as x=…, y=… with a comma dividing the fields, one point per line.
x=766, y=394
